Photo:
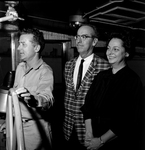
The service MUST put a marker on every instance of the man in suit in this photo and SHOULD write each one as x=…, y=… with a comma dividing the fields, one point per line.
x=73, y=125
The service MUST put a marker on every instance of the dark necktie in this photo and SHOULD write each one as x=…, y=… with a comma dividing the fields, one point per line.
x=79, y=75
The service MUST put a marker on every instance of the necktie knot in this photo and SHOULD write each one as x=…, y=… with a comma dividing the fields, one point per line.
x=82, y=61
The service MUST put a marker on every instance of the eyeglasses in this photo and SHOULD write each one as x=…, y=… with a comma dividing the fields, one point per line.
x=83, y=37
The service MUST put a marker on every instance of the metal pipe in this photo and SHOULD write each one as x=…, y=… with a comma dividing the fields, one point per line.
x=9, y=124
x=17, y=127
x=13, y=51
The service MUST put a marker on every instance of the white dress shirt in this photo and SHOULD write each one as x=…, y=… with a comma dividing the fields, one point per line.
x=86, y=65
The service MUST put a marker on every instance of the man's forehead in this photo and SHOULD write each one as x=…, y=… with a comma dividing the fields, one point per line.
x=26, y=38
x=85, y=30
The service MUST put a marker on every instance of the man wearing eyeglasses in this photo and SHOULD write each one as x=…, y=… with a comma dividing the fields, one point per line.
x=73, y=125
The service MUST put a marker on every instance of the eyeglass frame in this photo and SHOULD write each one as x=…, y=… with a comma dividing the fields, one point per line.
x=83, y=37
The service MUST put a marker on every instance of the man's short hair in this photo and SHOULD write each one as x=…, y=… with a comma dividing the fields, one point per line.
x=38, y=37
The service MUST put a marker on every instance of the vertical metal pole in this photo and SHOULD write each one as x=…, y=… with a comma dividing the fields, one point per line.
x=18, y=121
x=9, y=124
x=13, y=51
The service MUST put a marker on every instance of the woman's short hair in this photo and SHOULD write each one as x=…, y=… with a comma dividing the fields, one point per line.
x=126, y=41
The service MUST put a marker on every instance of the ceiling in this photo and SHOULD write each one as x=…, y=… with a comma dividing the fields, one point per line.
x=106, y=15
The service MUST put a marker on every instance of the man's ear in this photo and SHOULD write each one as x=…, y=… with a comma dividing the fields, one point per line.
x=95, y=41
x=127, y=54
x=37, y=48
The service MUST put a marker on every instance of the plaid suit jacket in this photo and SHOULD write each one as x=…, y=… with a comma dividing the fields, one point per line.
x=74, y=100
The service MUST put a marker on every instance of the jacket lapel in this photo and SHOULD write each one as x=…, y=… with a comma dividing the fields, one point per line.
x=71, y=73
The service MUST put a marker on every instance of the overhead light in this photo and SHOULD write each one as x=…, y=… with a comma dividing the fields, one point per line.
x=77, y=20
x=11, y=16
x=11, y=3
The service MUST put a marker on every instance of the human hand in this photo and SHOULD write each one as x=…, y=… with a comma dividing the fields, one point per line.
x=94, y=144
x=88, y=137
x=3, y=128
x=23, y=93
x=27, y=97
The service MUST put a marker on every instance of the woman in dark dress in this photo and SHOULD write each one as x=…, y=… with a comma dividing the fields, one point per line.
x=112, y=107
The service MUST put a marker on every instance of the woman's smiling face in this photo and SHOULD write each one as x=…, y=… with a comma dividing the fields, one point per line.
x=116, y=53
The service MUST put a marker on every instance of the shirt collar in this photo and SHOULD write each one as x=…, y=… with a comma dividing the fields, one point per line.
x=90, y=57
x=35, y=65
